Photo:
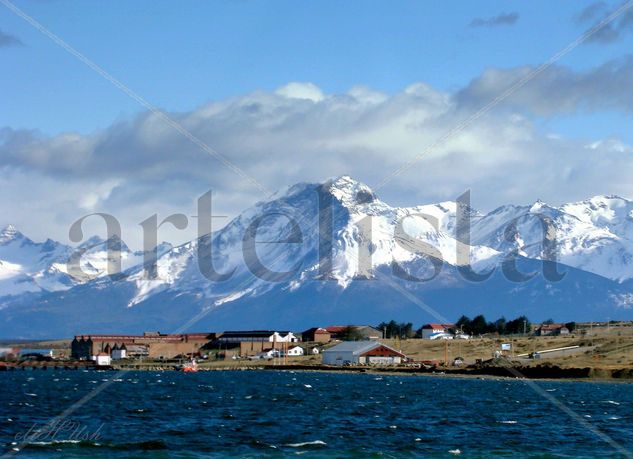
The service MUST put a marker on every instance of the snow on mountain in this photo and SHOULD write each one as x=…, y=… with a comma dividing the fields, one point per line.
x=354, y=251
x=595, y=235
x=27, y=266
x=310, y=254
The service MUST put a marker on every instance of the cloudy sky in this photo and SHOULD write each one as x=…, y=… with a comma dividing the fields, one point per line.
x=284, y=92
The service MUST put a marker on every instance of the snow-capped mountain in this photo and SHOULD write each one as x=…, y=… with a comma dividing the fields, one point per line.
x=595, y=235
x=27, y=266
x=334, y=252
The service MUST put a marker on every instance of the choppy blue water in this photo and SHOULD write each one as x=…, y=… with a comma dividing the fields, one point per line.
x=278, y=414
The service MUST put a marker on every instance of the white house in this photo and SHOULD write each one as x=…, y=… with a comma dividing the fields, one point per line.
x=436, y=331
x=102, y=359
x=294, y=351
x=362, y=353
x=119, y=353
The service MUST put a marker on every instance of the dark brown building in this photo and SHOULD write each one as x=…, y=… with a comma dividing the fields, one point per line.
x=316, y=335
x=152, y=344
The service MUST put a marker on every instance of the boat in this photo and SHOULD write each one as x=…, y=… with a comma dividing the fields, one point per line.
x=190, y=367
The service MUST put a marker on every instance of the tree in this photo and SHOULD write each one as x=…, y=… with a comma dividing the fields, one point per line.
x=351, y=334
x=500, y=325
x=479, y=326
x=394, y=329
x=463, y=323
x=407, y=331
x=389, y=328
x=519, y=325
x=571, y=326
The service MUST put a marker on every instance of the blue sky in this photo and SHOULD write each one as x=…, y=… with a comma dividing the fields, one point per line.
x=301, y=91
x=179, y=55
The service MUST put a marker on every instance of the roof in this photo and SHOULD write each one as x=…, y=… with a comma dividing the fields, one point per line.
x=260, y=333
x=34, y=351
x=552, y=326
x=316, y=331
x=355, y=347
x=380, y=351
x=148, y=336
x=437, y=326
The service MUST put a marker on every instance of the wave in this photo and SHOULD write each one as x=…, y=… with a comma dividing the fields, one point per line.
x=307, y=443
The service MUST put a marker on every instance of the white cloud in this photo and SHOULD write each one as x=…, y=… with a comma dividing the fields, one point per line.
x=307, y=91
x=297, y=133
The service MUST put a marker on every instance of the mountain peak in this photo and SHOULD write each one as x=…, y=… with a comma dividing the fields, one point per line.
x=350, y=192
x=9, y=233
x=538, y=205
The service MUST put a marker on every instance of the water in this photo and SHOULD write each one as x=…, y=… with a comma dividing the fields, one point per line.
x=278, y=414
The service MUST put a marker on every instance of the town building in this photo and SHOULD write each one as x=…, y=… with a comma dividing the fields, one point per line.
x=153, y=345
x=268, y=354
x=361, y=332
x=267, y=336
x=362, y=353
x=437, y=331
x=316, y=335
x=27, y=352
x=293, y=351
x=9, y=353
x=119, y=352
x=552, y=330
x=103, y=359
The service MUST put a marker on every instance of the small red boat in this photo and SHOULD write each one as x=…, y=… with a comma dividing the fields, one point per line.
x=191, y=367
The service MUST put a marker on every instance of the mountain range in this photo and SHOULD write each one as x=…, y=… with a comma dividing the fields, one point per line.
x=327, y=253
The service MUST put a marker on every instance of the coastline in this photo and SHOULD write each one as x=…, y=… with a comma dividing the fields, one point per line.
x=538, y=372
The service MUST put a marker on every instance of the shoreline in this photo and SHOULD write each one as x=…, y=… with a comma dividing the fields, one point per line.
x=534, y=373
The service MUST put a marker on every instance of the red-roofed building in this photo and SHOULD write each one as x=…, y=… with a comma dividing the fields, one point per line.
x=434, y=331
x=552, y=330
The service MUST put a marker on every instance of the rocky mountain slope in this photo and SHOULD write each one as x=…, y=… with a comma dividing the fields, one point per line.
x=317, y=254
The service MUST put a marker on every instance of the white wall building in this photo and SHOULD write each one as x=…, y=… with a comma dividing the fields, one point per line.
x=269, y=354
x=362, y=353
x=436, y=331
x=294, y=351
x=102, y=359
x=119, y=353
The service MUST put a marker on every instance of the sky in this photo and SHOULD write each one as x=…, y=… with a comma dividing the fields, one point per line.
x=302, y=91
